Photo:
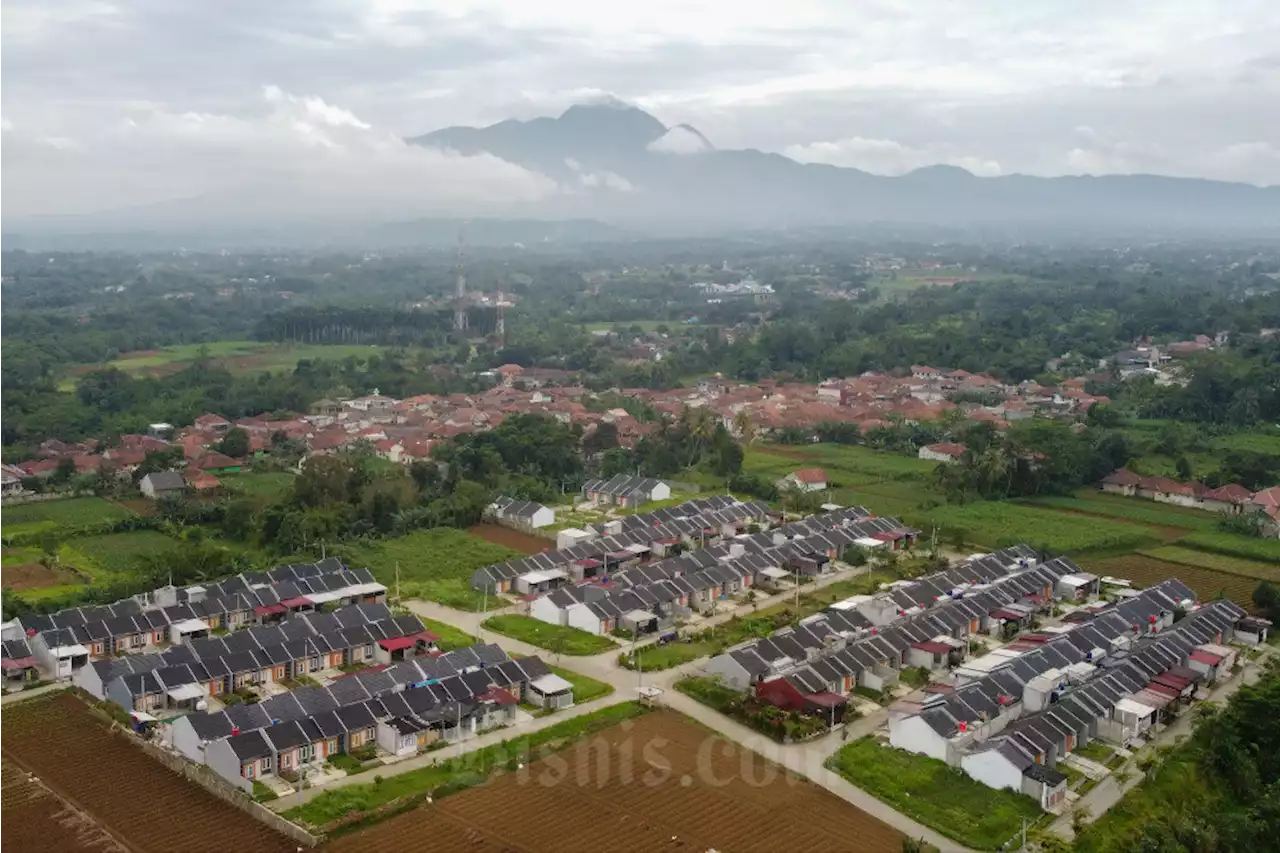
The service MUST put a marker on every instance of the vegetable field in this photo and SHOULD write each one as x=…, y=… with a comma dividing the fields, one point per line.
x=1236, y=546
x=1147, y=571
x=146, y=805
x=1133, y=509
x=1216, y=562
x=689, y=791
x=435, y=564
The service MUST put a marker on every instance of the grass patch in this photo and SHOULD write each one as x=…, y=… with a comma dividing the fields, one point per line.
x=263, y=794
x=51, y=515
x=1096, y=750
x=941, y=797
x=459, y=773
x=239, y=357
x=450, y=637
x=435, y=565
x=999, y=524
x=585, y=688
x=560, y=639
x=347, y=763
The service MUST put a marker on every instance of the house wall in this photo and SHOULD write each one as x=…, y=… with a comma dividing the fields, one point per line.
x=992, y=769
x=390, y=740
x=914, y=735
x=184, y=739
x=661, y=492
x=730, y=672
x=544, y=517
x=87, y=678
x=221, y=760
x=546, y=610
x=118, y=693
x=580, y=616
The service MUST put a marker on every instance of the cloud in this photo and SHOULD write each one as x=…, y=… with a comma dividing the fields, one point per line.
x=602, y=179
x=293, y=152
x=680, y=140
x=886, y=157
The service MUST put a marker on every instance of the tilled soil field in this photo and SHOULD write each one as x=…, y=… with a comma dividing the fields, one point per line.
x=660, y=784
x=525, y=543
x=1147, y=571
x=142, y=802
x=35, y=818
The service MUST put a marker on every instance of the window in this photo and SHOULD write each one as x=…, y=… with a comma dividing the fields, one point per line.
x=368, y=649
x=308, y=751
x=266, y=764
x=249, y=770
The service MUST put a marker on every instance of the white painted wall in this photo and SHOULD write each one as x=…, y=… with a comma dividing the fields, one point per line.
x=992, y=769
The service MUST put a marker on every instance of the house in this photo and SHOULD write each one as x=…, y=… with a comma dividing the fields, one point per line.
x=160, y=484
x=1077, y=586
x=1213, y=661
x=625, y=490
x=1121, y=482
x=18, y=662
x=551, y=691
x=1252, y=631
x=216, y=463
x=942, y=452
x=242, y=758
x=522, y=514
x=11, y=478
x=805, y=480
x=212, y=423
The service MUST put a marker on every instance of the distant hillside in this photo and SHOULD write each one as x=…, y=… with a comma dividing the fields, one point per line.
x=627, y=166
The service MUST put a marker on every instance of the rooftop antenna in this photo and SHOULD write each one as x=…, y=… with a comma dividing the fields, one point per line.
x=460, y=287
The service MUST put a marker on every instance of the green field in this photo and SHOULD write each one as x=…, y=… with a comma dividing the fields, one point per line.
x=435, y=565
x=997, y=524
x=50, y=515
x=117, y=554
x=456, y=774
x=845, y=464
x=1237, y=546
x=1132, y=509
x=1216, y=562
x=241, y=357
x=938, y=796
x=560, y=639
x=270, y=484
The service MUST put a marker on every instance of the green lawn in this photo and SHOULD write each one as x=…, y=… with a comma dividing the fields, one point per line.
x=938, y=796
x=51, y=515
x=450, y=637
x=118, y=554
x=456, y=774
x=585, y=688
x=435, y=565
x=711, y=641
x=555, y=638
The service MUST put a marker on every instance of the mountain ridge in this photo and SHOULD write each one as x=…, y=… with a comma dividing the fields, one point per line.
x=735, y=185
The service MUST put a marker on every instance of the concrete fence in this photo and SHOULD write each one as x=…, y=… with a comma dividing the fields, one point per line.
x=39, y=497
x=224, y=790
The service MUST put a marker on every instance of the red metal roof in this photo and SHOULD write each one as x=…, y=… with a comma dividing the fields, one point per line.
x=14, y=664
x=827, y=699
x=297, y=601
x=933, y=647
x=1201, y=656
x=498, y=696
x=265, y=609
x=395, y=644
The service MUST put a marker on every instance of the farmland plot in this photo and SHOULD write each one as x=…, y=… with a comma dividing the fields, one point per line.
x=1147, y=571
x=141, y=802
x=998, y=524
x=660, y=784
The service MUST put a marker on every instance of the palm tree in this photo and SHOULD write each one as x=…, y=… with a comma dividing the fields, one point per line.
x=701, y=426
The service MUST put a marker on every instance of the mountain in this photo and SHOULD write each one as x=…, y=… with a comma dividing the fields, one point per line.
x=623, y=165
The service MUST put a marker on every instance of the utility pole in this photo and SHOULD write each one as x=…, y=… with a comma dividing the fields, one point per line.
x=397, y=581
x=460, y=289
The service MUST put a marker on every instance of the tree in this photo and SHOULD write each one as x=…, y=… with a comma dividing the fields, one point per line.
x=65, y=471
x=235, y=443
x=1184, y=470
x=1266, y=595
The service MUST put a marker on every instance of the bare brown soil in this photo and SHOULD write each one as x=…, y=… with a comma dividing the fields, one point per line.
x=525, y=543
x=35, y=576
x=662, y=784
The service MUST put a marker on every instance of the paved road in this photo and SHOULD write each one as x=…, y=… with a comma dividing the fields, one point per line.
x=1110, y=791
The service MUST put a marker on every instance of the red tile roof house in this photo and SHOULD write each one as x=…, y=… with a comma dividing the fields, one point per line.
x=942, y=452
x=806, y=480
x=1268, y=501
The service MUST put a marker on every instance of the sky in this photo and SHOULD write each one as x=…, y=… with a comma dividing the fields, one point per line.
x=111, y=103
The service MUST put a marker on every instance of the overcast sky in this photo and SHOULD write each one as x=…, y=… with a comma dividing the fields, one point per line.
x=115, y=102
